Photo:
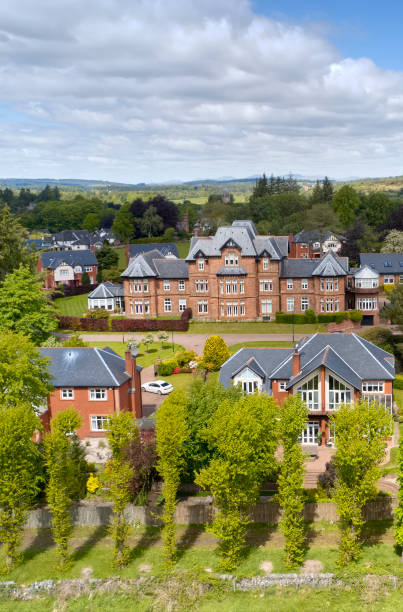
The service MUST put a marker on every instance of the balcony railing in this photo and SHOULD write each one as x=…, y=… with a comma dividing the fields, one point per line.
x=364, y=290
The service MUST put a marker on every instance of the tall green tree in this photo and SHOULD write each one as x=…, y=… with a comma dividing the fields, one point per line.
x=244, y=439
x=316, y=196
x=123, y=224
x=24, y=376
x=13, y=244
x=327, y=190
x=91, y=222
x=24, y=307
x=394, y=310
x=58, y=459
x=393, y=242
x=121, y=433
x=346, y=201
x=293, y=417
x=360, y=431
x=399, y=509
x=171, y=433
x=107, y=257
x=20, y=474
x=151, y=224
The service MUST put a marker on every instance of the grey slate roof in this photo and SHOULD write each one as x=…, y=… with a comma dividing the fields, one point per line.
x=349, y=356
x=328, y=266
x=154, y=264
x=82, y=236
x=52, y=259
x=384, y=263
x=316, y=236
x=86, y=367
x=106, y=290
x=164, y=248
x=232, y=271
x=241, y=234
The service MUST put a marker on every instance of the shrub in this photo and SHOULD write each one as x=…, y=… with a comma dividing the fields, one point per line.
x=381, y=337
x=143, y=325
x=183, y=359
x=355, y=315
x=398, y=384
x=310, y=316
x=85, y=279
x=166, y=368
x=142, y=456
x=75, y=342
x=215, y=353
x=97, y=313
x=51, y=342
x=77, y=323
x=328, y=478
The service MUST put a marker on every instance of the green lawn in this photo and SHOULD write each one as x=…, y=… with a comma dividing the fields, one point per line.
x=252, y=327
x=260, y=343
x=122, y=257
x=145, y=358
x=183, y=248
x=72, y=306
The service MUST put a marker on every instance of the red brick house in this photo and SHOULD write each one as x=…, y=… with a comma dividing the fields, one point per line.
x=67, y=267
x=327, y=370
x=313, y=244
x=96, y=382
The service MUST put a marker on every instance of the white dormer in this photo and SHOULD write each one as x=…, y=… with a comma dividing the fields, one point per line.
x=249, y=380
x=366, y=278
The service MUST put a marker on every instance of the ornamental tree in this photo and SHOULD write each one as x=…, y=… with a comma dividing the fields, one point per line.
x=121, y=432
x=24, y=307
x=171, y=433
x=23, y=372
x=215, y=353
x=399, y=509
x=58, y=459
x=293, y=417
x=243, y=437
x=359, y=432
x=20, y=473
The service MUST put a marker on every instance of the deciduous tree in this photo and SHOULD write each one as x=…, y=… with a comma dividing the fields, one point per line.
x=345, y=203
x=171, y=433
x=123, y=223
x=13, y=244
x=293, y=416
x=243, y=437
x=121, y=432
x=20, y=473
x=24, y=307
x=215, y=353
x=359, y=431
x=399, y=509
x=393, y=242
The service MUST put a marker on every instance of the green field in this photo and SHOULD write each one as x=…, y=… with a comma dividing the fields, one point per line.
x=72, y=306
x=252, y=327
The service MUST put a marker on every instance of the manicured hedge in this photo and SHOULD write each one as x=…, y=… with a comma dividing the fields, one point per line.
x=127, y=325
x=310, y=317
x=81, y=324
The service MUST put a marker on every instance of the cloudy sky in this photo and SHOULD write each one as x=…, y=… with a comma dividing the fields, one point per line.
x=156, y=90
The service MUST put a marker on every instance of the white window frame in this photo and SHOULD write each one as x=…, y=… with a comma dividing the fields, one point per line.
x=181, y=285
x=282, y=385
x=265, y=263
x=202, y=307
x=231, y=259
x=146, y=306
x=66, y=394
x=94, y=422
x=266, y=284
x=167, y=305
x=100, y=392
x=388, y=279
x=290, y=304
x=200, y=264
x=373, y=386
x=266, y=306
x=241, y=286
x=242, y=309
x=339, y=395
x=290, y=283
x=167, y=285
x=145, y=285
x=304, y=283
x=304, y=304
x=182, y=304
x=311, y=397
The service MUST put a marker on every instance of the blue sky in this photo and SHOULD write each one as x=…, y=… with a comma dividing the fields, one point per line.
x=357, y=28
x=158, y=90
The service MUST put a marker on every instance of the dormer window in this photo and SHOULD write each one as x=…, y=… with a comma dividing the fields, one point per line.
x=231, y=259
x=265, y=263
x=200, y=263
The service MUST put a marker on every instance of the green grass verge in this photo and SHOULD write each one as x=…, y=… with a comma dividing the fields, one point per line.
x=156, y=350
x=72, y=306
x=252, y=327
x=260, y=343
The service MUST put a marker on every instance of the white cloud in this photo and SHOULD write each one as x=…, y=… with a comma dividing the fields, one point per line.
x=150, y=90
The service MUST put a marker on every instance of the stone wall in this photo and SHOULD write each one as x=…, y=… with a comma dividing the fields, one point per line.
x=199, y=510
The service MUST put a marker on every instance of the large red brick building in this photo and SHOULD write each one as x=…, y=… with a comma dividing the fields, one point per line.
x=326, y=370
x=96, y=382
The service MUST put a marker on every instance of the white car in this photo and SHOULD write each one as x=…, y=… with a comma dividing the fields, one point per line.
x=158, y=386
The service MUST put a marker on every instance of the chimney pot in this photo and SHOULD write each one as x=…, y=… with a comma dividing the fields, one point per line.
x=296, y=363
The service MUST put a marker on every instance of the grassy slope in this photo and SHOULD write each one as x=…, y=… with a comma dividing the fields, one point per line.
x=72, y=306
x=144, y=358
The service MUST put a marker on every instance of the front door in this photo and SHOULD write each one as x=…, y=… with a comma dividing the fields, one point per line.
x=309, y=434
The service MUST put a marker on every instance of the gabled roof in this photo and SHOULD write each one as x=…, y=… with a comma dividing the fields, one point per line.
x=83, y=236
x=241, y=235
x=365, y=272
x=384, y=263
x=53, y=259
x=316, y=236
x=85, y=367
x=154, y=264
x=348, y=356
x=329, y=265
x=106, y=290
x=165, y=248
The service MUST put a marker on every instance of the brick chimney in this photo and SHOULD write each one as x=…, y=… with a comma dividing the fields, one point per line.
x=296, y=363
x=127, y=252
x=135, y=400
x=291, y=247
x=186, y=222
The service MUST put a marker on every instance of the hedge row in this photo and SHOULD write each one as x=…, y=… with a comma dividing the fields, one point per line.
x=310, y=317
x=126, y=325
x=82, y=324
x=140, y=325
x=68, y=291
